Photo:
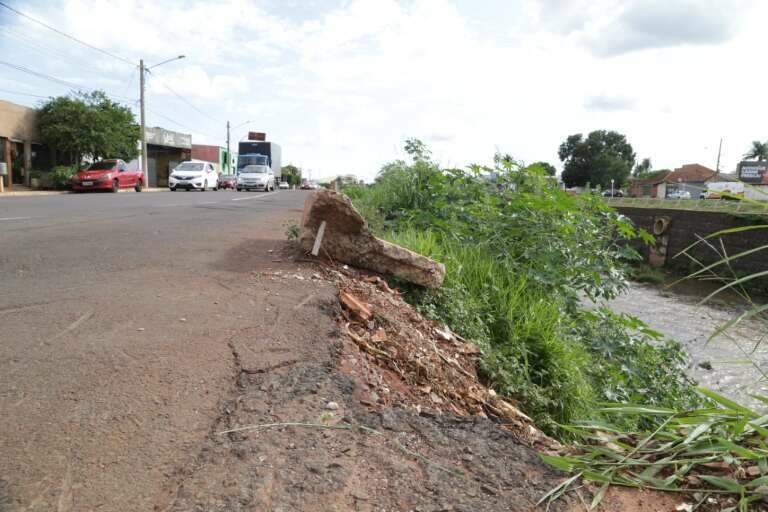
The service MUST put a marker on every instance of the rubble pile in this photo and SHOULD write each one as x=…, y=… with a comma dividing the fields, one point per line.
x=407, y=360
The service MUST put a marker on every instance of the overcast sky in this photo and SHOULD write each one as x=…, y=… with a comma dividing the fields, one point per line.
x=341, y=84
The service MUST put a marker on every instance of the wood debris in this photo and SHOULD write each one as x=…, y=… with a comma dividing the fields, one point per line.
x=414, y=362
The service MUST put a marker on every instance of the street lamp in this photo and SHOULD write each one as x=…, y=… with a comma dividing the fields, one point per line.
x=142, y=70
x=229, y=155
x=611, y=187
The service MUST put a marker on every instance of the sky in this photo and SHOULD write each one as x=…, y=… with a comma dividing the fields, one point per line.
x=341, y=84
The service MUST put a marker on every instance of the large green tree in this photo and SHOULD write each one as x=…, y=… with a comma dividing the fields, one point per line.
x=292, y=173
x=597, y=159
x=89, y=125
x=758, y=151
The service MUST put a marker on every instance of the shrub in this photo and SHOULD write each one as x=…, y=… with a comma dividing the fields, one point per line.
x=61, y=176
x=520, y=257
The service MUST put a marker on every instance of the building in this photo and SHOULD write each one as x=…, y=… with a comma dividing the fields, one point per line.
x=165, y=150
x=217, y=155
x=20, y=147
x=692, y=178
x=649, y=186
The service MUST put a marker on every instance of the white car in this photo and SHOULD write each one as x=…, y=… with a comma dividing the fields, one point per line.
x=194, y=175
x=254, y=173
x=284, y=185
x=682, y=194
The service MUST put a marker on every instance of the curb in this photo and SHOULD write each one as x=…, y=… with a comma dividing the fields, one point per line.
x=35, y=193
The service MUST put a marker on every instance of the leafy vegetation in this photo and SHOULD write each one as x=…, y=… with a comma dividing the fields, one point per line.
x=704, y=452
x=292, y=174
x=88, y=125
x=61, y=176
x=520, y=256
x=758, y=151
x=597, y=159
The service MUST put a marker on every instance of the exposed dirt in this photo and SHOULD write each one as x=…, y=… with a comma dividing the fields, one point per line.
x=403, y=460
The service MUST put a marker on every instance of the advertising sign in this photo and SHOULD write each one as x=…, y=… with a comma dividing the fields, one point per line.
x=754, y=172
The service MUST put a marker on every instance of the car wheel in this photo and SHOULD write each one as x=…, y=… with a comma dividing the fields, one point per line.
x=115, y=186
x=173, y=189
x=205, y=186
x=138, y=186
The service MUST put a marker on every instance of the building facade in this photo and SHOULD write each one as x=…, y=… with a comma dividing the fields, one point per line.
x=217, y=155
x=20, y=147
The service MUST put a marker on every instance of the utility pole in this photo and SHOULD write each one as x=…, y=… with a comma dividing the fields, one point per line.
x=143, y=131
x=229, y=155
x=143, y=126
x=719, y=149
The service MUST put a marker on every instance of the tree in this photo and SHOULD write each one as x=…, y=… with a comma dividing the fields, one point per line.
x=89, y=125
x=548, y=168
x=643, y=168
x=758, y=151
x=597, y=159
x=293, y=173
x=417, y=150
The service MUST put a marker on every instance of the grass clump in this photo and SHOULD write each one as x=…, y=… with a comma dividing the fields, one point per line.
x=520, y=256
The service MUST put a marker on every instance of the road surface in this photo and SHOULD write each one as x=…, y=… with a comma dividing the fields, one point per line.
x=115, y=316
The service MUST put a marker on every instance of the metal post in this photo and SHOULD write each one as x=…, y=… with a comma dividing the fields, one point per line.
x=229, y=156
x=143, y=126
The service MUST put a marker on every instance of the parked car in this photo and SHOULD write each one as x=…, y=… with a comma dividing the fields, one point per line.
x=226, y=181
x=679, y=194
x=284, y=185
x=615, y=193
x=109, y=175
x=194, y=175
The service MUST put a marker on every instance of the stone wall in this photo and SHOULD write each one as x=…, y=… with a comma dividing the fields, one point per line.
x=681, y=228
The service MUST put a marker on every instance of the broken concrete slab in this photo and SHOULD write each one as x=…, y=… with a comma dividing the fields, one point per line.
x=346, y=238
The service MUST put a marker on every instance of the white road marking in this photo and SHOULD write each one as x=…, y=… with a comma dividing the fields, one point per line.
x=15, y=218
x=254, y=197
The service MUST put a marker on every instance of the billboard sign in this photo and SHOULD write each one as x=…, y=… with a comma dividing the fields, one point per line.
x=754, y=172
x=163, y=137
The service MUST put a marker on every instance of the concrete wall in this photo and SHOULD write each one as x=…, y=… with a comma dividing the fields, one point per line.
x=686, y=226
x=18, y=122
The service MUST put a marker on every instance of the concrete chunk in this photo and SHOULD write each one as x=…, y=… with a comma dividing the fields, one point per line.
x=348, y=240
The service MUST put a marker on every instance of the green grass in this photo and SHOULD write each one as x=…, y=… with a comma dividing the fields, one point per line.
x=704, y=205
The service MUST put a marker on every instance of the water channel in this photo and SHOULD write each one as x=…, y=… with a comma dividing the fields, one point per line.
x=734, y=364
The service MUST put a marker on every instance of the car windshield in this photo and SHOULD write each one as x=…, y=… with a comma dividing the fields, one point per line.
x=244, y=161
x=189, y=166
x=254, y=169
x=104, y=165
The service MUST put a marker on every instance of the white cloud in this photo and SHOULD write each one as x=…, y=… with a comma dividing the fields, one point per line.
x=341, y=85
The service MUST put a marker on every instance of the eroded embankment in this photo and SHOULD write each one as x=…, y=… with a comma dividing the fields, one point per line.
x=306, y=429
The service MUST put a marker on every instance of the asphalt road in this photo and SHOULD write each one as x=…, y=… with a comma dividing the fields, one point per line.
x=115, y=316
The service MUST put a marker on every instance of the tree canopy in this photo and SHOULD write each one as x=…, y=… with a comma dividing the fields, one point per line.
x=642, y=169
x=598, y=158
x=548, y=168
x=293, y=174
x=89, y=125
x=758, y=151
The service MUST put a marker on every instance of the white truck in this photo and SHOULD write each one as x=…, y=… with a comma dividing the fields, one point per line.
x=258, y=165
x=723, y=190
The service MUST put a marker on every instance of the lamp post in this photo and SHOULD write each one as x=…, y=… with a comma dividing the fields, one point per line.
x=145, y=69
x=612, y=187
x=229, y=155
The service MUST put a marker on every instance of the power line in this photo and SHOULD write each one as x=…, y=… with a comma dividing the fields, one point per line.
x=193, y=107
x=64, y=34
x=60, y=81
x=24, y=94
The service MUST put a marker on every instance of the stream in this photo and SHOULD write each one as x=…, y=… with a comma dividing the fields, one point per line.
x=734, y=363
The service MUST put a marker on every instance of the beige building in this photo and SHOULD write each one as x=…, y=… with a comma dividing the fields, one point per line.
x=19, y=141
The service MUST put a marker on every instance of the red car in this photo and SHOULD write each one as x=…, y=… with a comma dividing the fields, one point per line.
x=227, y=181
x=107, y=175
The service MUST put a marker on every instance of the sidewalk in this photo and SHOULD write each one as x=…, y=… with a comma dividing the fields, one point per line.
x=26, y=192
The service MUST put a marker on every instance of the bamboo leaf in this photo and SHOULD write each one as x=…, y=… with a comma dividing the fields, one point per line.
x=730, y=404
x=599, y=496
